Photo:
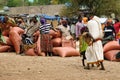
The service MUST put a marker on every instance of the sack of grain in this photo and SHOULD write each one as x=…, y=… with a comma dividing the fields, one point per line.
x=65, y=51
x=111, y=45
x=112, y=55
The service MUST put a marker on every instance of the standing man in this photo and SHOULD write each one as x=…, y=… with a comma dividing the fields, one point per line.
x=94, y=52
x=78, y=27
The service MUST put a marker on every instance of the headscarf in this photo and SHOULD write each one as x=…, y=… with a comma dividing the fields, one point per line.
x=42, y=21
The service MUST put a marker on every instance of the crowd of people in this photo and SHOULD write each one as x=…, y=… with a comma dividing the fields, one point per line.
x=87, y=30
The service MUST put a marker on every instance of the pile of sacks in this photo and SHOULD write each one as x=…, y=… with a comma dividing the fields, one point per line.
x=112, y=51
x=13, y=42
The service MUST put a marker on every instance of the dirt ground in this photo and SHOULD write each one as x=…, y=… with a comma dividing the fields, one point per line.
x=17, y=67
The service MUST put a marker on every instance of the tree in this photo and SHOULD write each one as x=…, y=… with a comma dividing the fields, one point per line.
x=15, y=3
x=59, y=1
x=63, y=1
x=3, y=3
x=98, y=7
x=43, y=2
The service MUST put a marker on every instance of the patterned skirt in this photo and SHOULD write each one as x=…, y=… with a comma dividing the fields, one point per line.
x=46, y=44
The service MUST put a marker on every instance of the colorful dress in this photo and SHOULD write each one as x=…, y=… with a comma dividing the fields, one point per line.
x=45, y=38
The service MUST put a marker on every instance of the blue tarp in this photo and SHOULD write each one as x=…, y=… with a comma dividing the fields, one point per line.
x=49, y=17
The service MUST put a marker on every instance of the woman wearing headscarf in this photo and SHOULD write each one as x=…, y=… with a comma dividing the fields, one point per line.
x=45, y=39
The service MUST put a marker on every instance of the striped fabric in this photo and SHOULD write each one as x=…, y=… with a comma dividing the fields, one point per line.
x=44, y=29
x=30, y=30
x=27, y=39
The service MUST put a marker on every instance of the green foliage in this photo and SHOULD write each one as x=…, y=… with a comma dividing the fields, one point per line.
x=2, y=3
x=42, y=2
x=63, y=1
x=97, y=7
x=14, y=3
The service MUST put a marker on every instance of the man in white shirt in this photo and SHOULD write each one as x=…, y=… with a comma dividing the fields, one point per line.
x=94, y=52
